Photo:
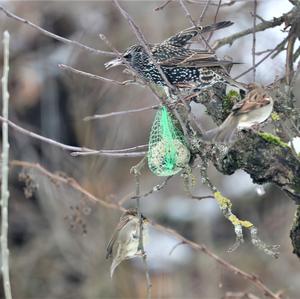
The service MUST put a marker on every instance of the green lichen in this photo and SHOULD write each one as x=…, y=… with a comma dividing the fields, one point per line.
x=272, y=139
x=275, y=116
x=229, y=100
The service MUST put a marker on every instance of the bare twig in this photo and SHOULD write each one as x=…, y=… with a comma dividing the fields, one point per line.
x=93, y=76
x=54, y=36
x=74, y=149
x=175, y=246
x=201, y=197
x=163, y=5
x=189, y=16
x=4, y=171
x=254, y=39
x=260, y=27
x=215, y=20
x=204, y=11
x=136, y=170
x=156, y=188
x=256, y=64
x=118, y=113
x=111, y=151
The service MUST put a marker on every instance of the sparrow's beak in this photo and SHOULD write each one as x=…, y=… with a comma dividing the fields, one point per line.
x=113, y=63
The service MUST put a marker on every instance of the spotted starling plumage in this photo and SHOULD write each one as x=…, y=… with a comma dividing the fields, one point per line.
x=184, y=68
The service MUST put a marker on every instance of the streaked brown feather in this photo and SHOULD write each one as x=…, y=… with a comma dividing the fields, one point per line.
x=255, y=99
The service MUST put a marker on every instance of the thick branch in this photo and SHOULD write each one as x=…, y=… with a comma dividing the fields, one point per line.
x=265, y=160
x=285, y=18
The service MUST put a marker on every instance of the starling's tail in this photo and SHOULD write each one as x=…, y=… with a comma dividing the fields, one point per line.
x=216, y=26
x=180, y=39
x=224, y=133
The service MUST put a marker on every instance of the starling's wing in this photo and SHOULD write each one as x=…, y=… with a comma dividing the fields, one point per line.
x=120, y=226
x=180, y=39
x=194, y=58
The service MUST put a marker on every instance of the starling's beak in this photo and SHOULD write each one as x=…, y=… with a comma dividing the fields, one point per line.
x=113, y=63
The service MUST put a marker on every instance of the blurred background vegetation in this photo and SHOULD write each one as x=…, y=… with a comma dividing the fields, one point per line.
x=57, y=238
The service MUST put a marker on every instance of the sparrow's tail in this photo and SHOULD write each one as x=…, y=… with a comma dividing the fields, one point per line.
x=224, y=133
x=180, y=39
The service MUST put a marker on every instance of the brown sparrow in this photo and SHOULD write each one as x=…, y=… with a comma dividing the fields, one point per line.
x=126, y=238
x=255, y=108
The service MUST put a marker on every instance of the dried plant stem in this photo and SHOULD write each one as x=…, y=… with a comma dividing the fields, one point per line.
x=4, y=185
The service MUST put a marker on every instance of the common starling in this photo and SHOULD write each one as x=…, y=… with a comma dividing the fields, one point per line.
x=255, y=108
x=184, y=68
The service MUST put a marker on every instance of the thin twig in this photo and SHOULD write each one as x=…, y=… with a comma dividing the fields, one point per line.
x=175, y=246
x=123, y=150
x=55, y=36
x=189, y=16
x=256, y=65
x=93, y=76
x=229, y=40
x=163, y=5
x=156, y=188
x=4, y=168
x=118, y=113
x=204, y=11
x=201, y=197
x=136, y=170
x=215, y=20
x=74, y=149
x=254, y=40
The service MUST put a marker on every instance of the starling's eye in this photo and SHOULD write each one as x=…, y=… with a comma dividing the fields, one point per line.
x=127, y=56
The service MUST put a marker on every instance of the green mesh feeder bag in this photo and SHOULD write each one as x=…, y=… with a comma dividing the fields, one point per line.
x=167, y=153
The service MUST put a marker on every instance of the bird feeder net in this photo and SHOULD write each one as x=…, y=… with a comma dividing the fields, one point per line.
x=167, y=153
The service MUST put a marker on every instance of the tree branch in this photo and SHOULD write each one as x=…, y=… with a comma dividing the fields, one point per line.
x=287, y=17
x=54, y=36
x=4, y=172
